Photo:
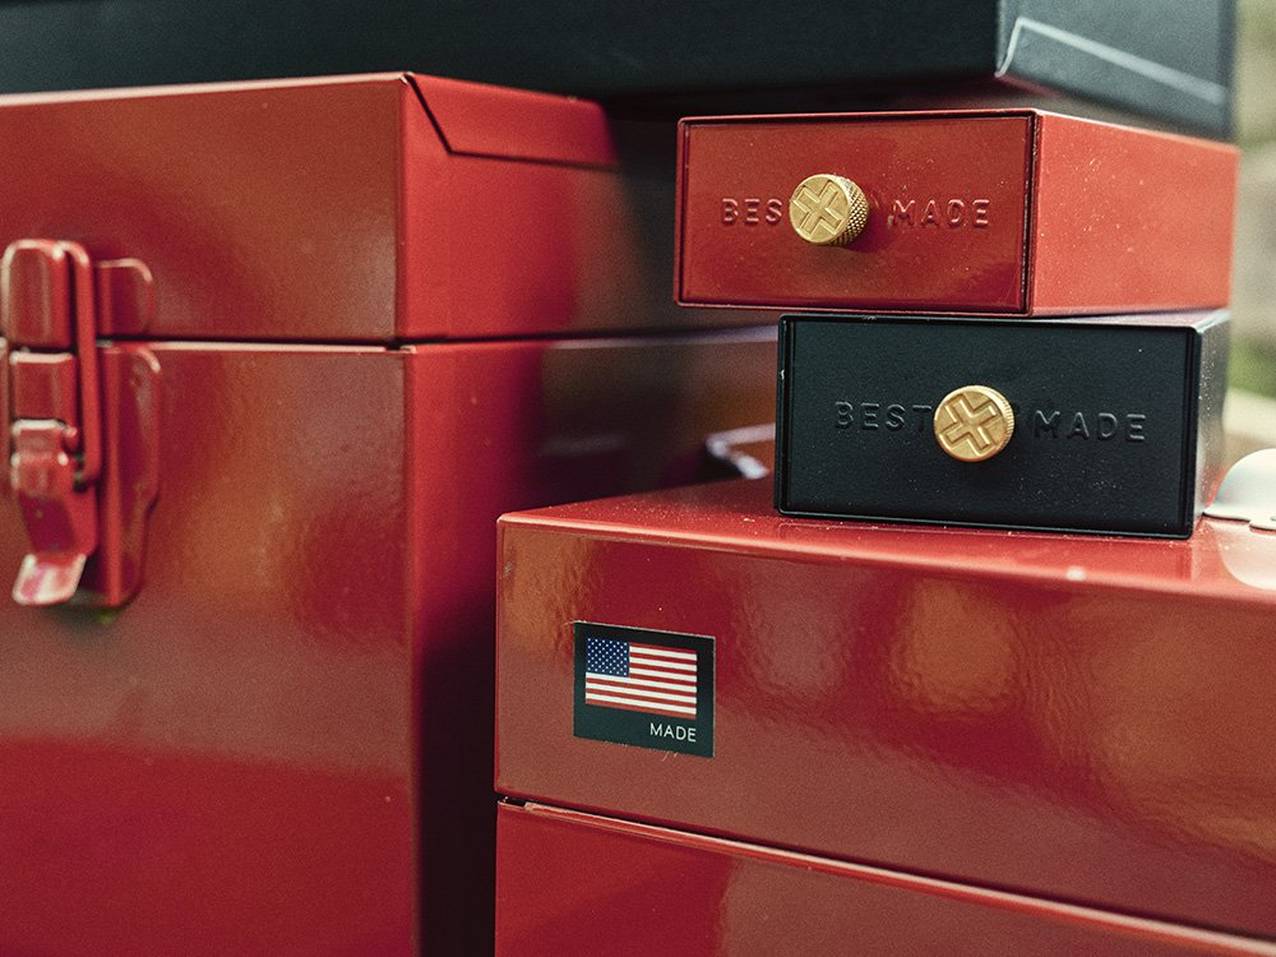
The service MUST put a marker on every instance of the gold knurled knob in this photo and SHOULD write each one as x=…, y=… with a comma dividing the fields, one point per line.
x=828, y=210
x=974, y=423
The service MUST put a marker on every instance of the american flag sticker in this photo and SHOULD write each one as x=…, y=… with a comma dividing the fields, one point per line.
x=653, y=689
x=637, y=677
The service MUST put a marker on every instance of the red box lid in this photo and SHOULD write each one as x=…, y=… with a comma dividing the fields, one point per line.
x=373, y=208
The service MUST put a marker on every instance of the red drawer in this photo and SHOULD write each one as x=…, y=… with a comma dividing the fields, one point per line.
x=1083, y=719
x=571, y=883
x=1015, y=212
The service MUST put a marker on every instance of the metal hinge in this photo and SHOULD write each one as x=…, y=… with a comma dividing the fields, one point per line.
x=80, y=430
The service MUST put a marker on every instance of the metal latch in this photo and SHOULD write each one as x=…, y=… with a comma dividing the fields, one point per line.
x=82, y=486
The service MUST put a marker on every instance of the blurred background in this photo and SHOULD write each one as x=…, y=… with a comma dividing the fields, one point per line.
x=1252, y=405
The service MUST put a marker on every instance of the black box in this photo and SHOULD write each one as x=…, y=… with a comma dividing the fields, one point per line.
x=1165, y=59
x=1117, y=421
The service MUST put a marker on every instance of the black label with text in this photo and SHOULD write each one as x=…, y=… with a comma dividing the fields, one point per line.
x=653, y=689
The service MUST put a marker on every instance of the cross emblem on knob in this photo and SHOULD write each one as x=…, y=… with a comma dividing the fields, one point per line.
x=974, y=423
x=828, y=210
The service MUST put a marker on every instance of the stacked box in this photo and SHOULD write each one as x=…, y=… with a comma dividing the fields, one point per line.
x=859, y=727
x=1010, y=361
x=799, y=722
x=276, y=354
x=1172, y=65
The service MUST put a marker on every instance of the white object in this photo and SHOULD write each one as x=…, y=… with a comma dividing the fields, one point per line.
x=1248, y=492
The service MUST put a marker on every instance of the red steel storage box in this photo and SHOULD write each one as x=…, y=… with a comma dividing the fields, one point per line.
x=1083, y=720
x=278, y=355
x=1005, y=212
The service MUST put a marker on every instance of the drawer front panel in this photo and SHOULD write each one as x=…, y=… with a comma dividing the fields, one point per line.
x=573, y=883
x=947, y=204
x=1103, y=436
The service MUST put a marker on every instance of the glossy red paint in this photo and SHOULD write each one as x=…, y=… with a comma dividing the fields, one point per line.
x=1017, y=212
x=1081, y=719
x=572, y=883
x=283, y=743
x=301, y=210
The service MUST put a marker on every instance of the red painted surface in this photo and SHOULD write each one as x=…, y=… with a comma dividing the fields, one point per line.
x=1077, y=216
x=1082, y=719
x=283, y=743
x=299, y=210
x=571, y=883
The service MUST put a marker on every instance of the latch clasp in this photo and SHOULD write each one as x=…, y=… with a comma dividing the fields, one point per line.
x=61, y=518
x=52, y=400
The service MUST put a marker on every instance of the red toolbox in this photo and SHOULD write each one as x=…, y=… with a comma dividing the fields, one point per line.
x=1002, y=212
x=1083, y=720
x=573, y=883
x=277, y=357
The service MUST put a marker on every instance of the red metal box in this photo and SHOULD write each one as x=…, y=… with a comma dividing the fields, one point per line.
x=1083, y=719
x=573, y=883
x=1014, y=212
x=282, y=745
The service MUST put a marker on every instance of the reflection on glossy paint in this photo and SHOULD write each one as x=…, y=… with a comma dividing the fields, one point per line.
x=797, y=669
x=572, y=883
x=1247, y=552
x=1177, y=735
x=955, y=650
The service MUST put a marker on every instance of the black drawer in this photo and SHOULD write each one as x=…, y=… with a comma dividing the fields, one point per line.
x=1117, y=422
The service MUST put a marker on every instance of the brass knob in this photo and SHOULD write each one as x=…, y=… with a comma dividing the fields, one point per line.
x=974, y=423
x=828, y=210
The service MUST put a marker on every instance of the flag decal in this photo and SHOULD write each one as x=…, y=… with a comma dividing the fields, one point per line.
x=648, y=688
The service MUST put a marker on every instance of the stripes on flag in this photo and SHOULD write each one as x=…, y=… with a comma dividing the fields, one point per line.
x=636, y=677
